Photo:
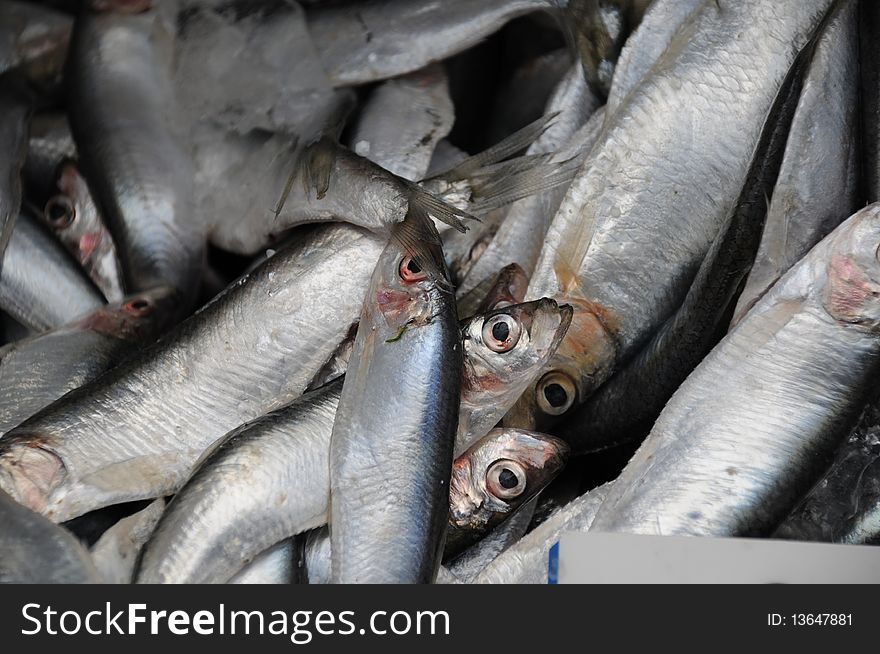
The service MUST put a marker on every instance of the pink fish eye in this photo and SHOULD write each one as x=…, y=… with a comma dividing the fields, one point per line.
x=501, y=333
x=410, y=271
x=139, y=306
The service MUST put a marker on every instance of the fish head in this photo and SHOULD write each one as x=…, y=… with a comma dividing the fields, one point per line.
x=499, y=473
x=137, y=318
x=852, y=289
x=507, y=348
x=73, y=214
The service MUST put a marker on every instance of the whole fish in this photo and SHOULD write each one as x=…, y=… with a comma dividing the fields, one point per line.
x=36, y=371
x=754, y=426
x=844, y=505
x=362, y=42
x=132, y=143
x=41, y=286
x=403, y=120
x=117, y=550
x=35, y=551
x=626, y=406
x=274, y=566
x=136, y=432
x=391, y=453
x=490, y=484
x=286, y=454
x=526, y=562
x=818, y=183
x=14, y=115
x=75, y=219
x=639, y=217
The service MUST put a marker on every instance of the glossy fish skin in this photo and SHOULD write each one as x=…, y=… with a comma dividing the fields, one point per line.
x=869, y=68
x=817, y=186
x=494, y=478
x=391, y=454
x=14, y=115
x=117, y=550
x=136, y=432
x=502, y=369
x=369, y=41
x=35, y=551
x=754, y=426
x=403, y=120
x=73, y=216
x=642, y=212
x=626, y=406
x=132, y=143
x=844, y=505
x=36, y=371
x=49, y=145
x=41, y=286
x=229, y=511
x=274, y=566
x=526, y=561
x=520, y=236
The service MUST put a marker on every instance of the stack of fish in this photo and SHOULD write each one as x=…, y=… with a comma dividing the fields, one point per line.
x=397, y=291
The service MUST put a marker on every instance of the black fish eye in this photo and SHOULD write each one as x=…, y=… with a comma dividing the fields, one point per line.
x=500, y=331
x=413, y=267
x=556, y=395
x=507, y=478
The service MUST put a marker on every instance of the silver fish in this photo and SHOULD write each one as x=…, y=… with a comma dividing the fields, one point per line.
x=14, y=115
x=75, y=219
x=50, y=144
x=285, y=455
x=640, y=215
x=36, y=371
x=137, y=431
x=816, y=189
x=35, y=551
x=116, y=551
x=133, y=146
x=34, y=40
x=41, y=286
x=274, y=566
x=750, y=430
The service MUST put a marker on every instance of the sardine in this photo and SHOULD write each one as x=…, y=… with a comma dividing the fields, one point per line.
x=754, y=426
x=36, y=371
x=133, y=147
x=41, y=286
x=75, y=219
x=274, y=566
x=642, y=212
x=117, y=550
x=136, y=432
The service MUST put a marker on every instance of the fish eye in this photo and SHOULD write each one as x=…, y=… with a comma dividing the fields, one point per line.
x=139, y=306
x=556, y=393
x=501, y=332
x=506, y=479
x=60, y=212
x=410, y=271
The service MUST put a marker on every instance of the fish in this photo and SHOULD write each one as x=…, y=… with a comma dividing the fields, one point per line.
x=50, y=145
x=133, y=146
x=275, y=470
x=36, y=371
x=15, y=111
x=479, y=502
x=73, y=216
x=526, y=562
x=755, y=425
x=33, y=550
x=365, y=42
x=626, y=406
x=137, y=431
x=818, y=185
x=41, y=286
x=869, y=93
x=117, y=550
x=407, y=333
x=643, y=210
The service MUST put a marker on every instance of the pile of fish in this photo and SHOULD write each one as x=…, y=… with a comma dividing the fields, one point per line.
x=398, y=291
